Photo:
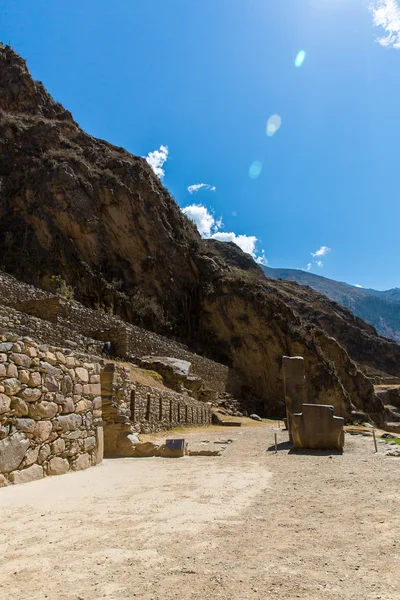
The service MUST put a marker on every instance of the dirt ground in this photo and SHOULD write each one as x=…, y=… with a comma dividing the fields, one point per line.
x=250, y=524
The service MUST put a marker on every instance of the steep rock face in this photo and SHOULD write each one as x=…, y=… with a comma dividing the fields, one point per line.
x=81, y=210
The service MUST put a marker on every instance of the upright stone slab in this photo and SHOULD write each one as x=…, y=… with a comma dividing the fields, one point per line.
x=294, y=380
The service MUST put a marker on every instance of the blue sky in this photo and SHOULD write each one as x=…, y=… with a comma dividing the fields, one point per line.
x=197, y=81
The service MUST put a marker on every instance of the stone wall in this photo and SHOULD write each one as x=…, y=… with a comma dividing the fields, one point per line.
x=153, y=409
x=82, y=326
x=50, y=410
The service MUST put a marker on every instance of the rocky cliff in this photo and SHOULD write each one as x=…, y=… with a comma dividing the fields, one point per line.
x=90, y=218
x=381, y=309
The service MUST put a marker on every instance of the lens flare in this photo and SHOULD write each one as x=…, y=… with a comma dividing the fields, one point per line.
x=255, y=169
x=273, y=124
x=300, y=58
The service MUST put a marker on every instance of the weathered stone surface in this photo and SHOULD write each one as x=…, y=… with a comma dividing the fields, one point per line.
x=42, y=430
x=35, y=379
x=30, y=474
x=68, y=406
x=44, y=453
x=50, y=369
x=57, y=466
x=31, y=394
x=68, y=422
x=12, y=451
x=82, y=374
x=99, y=452
x=58, y=446
x=31, y=456
x=89, y=443
x=3, y=370
x=43, y=410
x=12, y=386
x=5, y=403
x=51, y=383
x=83, y=405
x=21, y=360
x=5, y=347
x=25, y=425
x=19, y=406
x=3, y=481
x=12, y=371
x=82, y=462
x=23, y=376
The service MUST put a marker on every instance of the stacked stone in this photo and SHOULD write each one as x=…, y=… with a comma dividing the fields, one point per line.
x=153, y=409
x=50, y=411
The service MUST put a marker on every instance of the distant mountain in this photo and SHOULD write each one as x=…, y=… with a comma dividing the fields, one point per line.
x=381, y=309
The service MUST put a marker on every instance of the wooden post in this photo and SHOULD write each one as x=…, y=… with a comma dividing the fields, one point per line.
x=276, y=444
x=376, y=447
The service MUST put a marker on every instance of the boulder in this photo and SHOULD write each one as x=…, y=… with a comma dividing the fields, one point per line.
x=30, y=474
x=81, y=463
x=173, y=370
x=12, y=451
x=57, y=466
x=5, y=403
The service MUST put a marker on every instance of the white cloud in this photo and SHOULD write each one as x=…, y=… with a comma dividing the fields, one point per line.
x=386, y=14
x=357, y=285
x=157, y=159
x=199, y=186
x=246, y=242
x=209, y=227
x=319, y=263
x=323, y=251
x=204, y=220
x=309, y=266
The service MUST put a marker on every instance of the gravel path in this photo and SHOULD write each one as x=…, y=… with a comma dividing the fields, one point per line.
x=247, y=525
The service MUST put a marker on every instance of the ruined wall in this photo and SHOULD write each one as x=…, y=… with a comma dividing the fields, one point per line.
x=153, y=409
x=50, y=319
x=50, y=410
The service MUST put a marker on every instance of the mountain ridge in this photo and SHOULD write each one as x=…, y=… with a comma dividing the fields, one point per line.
x=80, y=213
x=380, y=308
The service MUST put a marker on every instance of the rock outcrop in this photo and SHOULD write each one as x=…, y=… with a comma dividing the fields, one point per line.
x=81, y=217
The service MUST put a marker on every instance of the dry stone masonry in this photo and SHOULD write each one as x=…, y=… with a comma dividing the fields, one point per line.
x=61, y=410
x=50, y=411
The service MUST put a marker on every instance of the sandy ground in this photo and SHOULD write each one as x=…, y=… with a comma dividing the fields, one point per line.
x=250, y=524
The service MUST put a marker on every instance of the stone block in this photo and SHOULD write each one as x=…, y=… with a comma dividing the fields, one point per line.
x=99, y=452
x=12, y=371
x=89, y=443
x=83, y=405
x=31, y=456
x=82, y=374
x=57, y=466
x=3, y=481
x=68, y=422
x=43, y=410
x=12, y=386
x=6, y=346
x=3, y=370
x=31, y=394
x=25, y=425
x=317, y=428
x=43, y=430
x=35, y=379
x=68, y=406
x=23, y=376
x=5, y=403
x=51, y=383
x=30, y=474
x=19, y=407
x=58, y=446
x=50, y=369
x=12, y=451
x=44, y=454
x=21, y=360
x=82, y=462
